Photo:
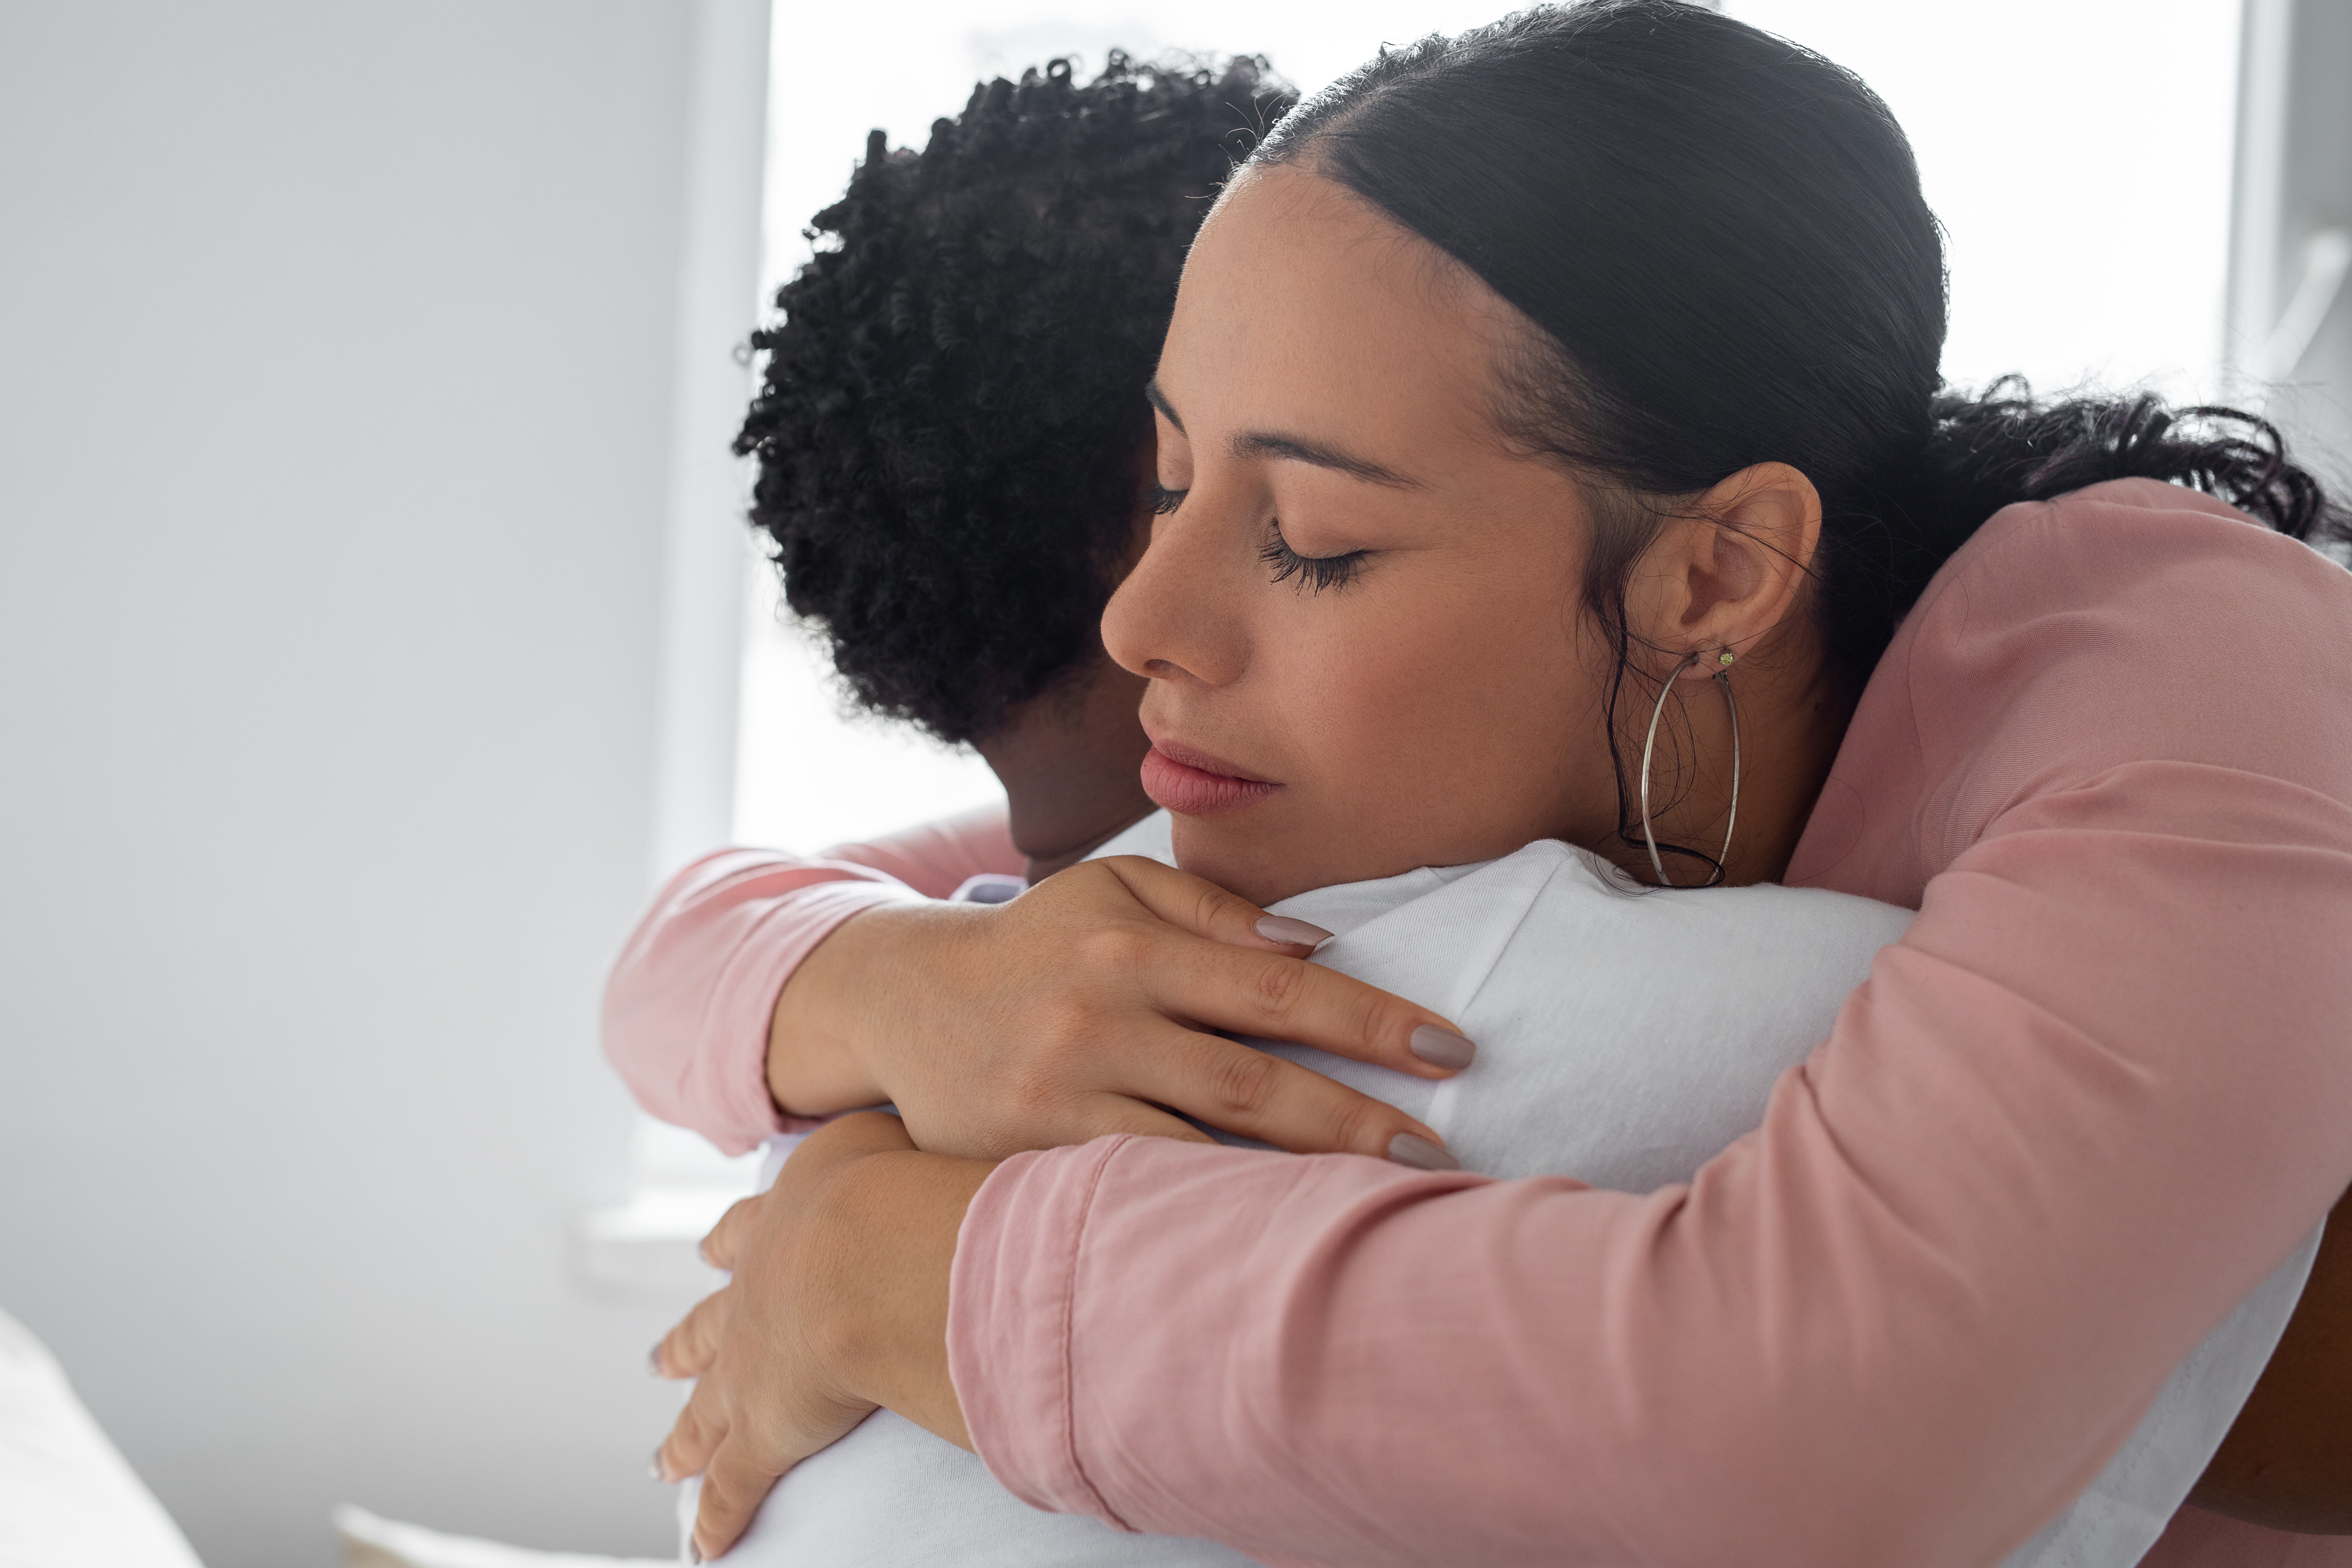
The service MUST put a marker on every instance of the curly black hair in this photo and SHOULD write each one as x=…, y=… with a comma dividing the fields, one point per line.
x=952, y=416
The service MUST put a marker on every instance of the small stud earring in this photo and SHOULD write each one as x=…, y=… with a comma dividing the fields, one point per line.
x=1727, y=659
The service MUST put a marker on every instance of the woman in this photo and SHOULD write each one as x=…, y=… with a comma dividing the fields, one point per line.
x=2006, y=1189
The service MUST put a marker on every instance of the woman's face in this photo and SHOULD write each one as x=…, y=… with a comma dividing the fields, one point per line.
x=1362, y=618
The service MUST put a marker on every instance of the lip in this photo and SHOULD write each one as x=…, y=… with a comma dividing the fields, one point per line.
x=1192, y=782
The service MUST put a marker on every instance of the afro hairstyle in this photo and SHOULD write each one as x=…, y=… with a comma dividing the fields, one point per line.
x=950, y=419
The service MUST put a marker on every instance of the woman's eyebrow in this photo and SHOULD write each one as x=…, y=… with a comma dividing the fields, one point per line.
x=1159, y=399
x=1297, y=449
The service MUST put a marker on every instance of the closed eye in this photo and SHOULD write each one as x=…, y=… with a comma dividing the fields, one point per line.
x=1315, y=572
x=1164, y=501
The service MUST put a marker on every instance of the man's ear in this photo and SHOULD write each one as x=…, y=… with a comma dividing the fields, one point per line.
x=1728, y=568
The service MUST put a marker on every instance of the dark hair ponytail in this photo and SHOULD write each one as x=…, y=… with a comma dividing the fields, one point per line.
x=1722, y=238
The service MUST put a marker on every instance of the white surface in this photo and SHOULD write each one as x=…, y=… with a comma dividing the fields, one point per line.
x=2292, y=340
x=335, y=427
x=2078, y=152
x=706, y=542
x=809, y=774
x=2265, y=83
x=649, y=1248
x=66, y=1496
x=389, y=1543
x=2319, y=281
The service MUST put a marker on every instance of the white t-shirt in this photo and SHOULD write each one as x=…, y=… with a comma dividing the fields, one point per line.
x=1625, y=1036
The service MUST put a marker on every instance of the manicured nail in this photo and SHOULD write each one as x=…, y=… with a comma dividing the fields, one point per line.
x=694, y=1551
x=652, y=1360
x=655, y=1469
x=1442, y=1048
x=1422, y=1155
x=1282, y=928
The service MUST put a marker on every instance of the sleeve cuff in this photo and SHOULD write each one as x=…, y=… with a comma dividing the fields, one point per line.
x=744, y=1004
x=1010, y=1300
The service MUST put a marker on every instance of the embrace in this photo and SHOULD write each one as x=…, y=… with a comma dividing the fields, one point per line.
x=1627, y=930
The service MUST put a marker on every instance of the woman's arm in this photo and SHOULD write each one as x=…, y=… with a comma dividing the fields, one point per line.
x=2088, y=1102
x=689, y=1004
x=763, y=990
x=802, y=1342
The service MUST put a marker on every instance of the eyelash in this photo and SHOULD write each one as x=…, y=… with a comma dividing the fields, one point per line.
x=1317, y=573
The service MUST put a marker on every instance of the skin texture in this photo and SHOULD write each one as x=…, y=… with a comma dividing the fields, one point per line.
x=1323, y=700
x=1067, y=761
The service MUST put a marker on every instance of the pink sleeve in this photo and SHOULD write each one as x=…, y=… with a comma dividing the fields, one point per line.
x=935, y=858
x=687, y=1005
x=2097, y=1093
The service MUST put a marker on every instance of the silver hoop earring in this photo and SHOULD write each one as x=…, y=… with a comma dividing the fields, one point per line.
x=1650, y=745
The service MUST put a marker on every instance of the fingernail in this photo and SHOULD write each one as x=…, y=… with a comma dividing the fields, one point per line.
x=652, y=1360
x=1282, y=928
x=694, y=1551
x=655, y=1469
x=1442, y=1048
x=1422, y=1155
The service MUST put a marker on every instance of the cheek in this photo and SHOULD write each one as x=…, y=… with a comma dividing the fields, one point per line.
x=1457, y=717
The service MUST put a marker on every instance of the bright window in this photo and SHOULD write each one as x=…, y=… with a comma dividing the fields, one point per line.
x=2078, y=152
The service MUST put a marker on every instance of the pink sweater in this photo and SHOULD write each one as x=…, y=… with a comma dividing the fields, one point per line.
x=2091, y=1098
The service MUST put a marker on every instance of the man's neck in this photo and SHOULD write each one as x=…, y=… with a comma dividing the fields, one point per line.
x=1070, y=761
x=1044, y=866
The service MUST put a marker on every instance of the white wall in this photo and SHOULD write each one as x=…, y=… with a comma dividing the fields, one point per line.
x=2291, y=298
x=335, y=421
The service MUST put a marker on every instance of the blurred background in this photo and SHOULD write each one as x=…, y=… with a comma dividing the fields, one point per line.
x=376, y=627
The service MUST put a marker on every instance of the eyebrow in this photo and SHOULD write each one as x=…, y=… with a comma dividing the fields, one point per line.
x=1296, y=448
x=1267, y=444
x=1159, y=399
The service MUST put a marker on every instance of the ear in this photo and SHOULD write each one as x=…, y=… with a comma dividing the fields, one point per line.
x=1728, y=568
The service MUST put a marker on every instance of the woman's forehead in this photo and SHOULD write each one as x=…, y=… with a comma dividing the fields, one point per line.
x=1301, y=298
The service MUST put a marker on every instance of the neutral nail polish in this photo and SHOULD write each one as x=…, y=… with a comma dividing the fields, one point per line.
x=1422, y=1155
x=1442, y=1048
x=655, y=1468
x=1282, y=928
x=693, y=1553
x=652, y=1360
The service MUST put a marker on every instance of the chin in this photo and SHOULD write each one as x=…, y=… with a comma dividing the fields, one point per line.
x=1210, y=850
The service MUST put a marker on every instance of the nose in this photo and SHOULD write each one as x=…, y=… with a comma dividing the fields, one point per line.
x=1178, y=618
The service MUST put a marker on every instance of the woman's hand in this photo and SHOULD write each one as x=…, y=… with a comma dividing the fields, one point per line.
x=838, y=1304
x=1086, y=1007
